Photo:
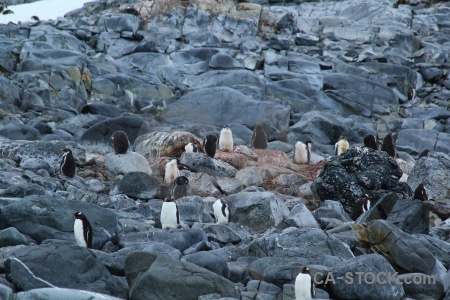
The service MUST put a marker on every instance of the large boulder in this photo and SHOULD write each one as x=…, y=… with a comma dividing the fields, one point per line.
x=198, y=162
x=359, y=171
x=62, y=293
x=150, y=277
x=411, y=216
x=137, y=185
x=121, y=164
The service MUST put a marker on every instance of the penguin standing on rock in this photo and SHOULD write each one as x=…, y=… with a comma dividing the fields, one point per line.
x=68, y=165
x=82, y=230
x=304, y=285
x=302, y=152
x=221, y=212
x=388, y=145
x=361, y=206
x=190, y=148
x=226, y=139
x=421, y=193
x=210, y=145
x=370, y=142
x=259, y=137
x=119, y=141
x=170, y=215
x=180, y=186
x=171, y=171
x=341, y=146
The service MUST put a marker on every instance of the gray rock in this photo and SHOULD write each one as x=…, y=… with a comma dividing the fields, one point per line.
x=118, y=23
x=191, y=212
x=12, y=237
x=137, y=185
x=439, y=248
x=198, y=162
x=365, y=286
x=277, y=270
x=421, y=286
x=20, y=132
x=314, y=244
x=301, y=217
x=209, y=261
x=37, y=164
x=250, y=176
x=258, y=210
x=222, y=233
x=229, y=185
x=182, y=280
x=103, y=109
x=411, y=216
x=61, y=293
x=22, y=190
x=121, y=164
x=224, y=61
x=203, y=185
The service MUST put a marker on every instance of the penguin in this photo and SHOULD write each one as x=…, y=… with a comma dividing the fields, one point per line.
x=221, y=212
x=82, y=230
x=210, y=145
x=424, y=153
x=119, y=141
x=370, y=141
x=171, y=171
x=388, y=145
x=421, y=193
x=304, y=285
x=341, y=146
x=7, y=12
x=259, y=137
x=190, y=148
x=35, y=18
x=68, y=165
x=179, y=187
x=302, y=152
x=2, y=7
x=361, y=206
x=411, y=93
x=226, y=139
x=170, y=215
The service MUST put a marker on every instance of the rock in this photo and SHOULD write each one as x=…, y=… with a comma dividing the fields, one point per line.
x=20, y=132
x=314, y=244
x=422, y=286
x=259, y=211
x=203, y=185
x=201, y=163
x=301, y=217
x=12, y=237
x=61, y=264
x=182, y=280
x=45, y=217
x=366, y=285
x=222, y=233
x=250, y=176
x=229, y=185
x=381, y=210
x=104, y=109
x=102, y=131
x=62, y=293
x=37, y=164
x=439, y=248
x=191, y=212
x=121, y=164
x=137, y=185
x=277, y=270
x=411, y=216
x=156, y=144
x=209, y=261
x=357, y=172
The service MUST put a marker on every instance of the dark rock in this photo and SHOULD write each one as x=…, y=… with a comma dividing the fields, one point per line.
x=138, y=185
x=181, y=281
x=22, y=190
x=439, y=248
x=20, y=132
x=201, y=163
x=12, y=237
x=366, y=285
x=381, y=209
x=104, y=109
x=209, y=261
x=411, y=216
x=223, y=61
x=277, y=270
x=222, y=233
x=421, y=286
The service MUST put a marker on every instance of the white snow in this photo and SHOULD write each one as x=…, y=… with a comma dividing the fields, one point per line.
x=44, y=9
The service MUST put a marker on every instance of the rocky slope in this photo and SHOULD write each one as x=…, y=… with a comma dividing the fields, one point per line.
x=169, y=72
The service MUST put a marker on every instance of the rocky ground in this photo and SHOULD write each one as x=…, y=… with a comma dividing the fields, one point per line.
x=169, y=72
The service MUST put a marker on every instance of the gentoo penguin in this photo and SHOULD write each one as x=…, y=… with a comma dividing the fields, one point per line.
x=226, y=139
x=68, y=165
x=424, y=153
x=82, y=230
x=302, y=152
x=210, y=145
x=119, y=141
x=170, y=216
x=341, y=146
x=370, y=141
x=259, y=137
x=190, y=148
x=35, y=18
x=304, y=285
x=421, y=193
x=411, y=93
x=221, y=212
x=179, y=187
x=388, y=145
x=361, y=206
x=171, y=171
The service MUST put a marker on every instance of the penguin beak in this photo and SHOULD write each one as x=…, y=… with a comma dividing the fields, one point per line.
x=73, y=214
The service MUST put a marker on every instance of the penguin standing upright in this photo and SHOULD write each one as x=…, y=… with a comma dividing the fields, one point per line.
x=361, y=206
x=170, y=216
x=171, y=171
x=210, y=145
x=304, y=285
x=226, y=139
x=68, y=165
x=119, y=141
x=421, y=193
x=259, y=137
x=179, y=187
x=341, y=146
x=221, y=212
x=370, y=141
x=82, y=230
x=302, y=152
x=388, y=145
x=190, y=148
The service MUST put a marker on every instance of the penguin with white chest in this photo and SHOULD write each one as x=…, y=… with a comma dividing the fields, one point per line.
x=171, y=171
x=304, y=285
x=170, y=215
x=68, y=166
x=190, y=148
x=302, y=152
x=226, y=139
x=82, y=230
x=341, y=146
x=221, y=212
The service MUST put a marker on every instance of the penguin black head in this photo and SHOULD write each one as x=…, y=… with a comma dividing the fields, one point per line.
x=79, y=215
x=66, y=150
x=35, y=18
x=226, y=126
x=421, y=193
x=305, y=270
